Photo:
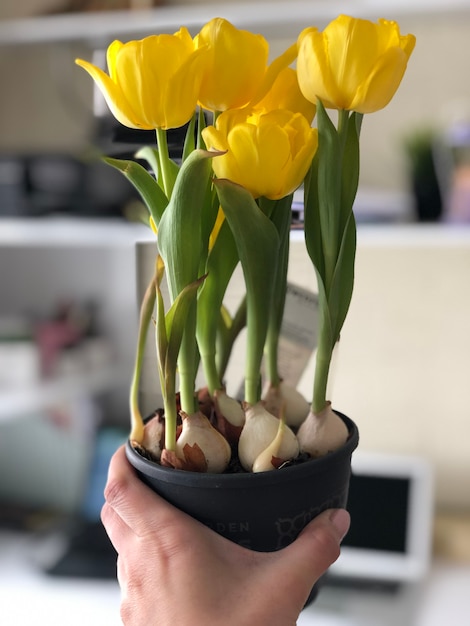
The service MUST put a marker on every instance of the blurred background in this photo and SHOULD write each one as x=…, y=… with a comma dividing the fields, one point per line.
x=68, y=319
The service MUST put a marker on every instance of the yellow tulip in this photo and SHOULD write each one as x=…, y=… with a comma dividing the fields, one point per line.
x=236, y=68
x=267, y=153
x=152, y=83
x=285, y=94
x=354, y=64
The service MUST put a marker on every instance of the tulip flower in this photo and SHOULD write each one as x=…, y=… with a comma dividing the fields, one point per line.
x=152, y=83
x=236, y=67
x=268, y=154
x=285, y=94
x=353, y=64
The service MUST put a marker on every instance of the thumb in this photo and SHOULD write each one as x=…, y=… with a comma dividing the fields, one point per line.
x=315, y=549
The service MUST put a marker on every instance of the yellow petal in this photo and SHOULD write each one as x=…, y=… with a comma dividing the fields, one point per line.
x=267, y=153
x=381, y=84
x=152, y=83
x=285, y=94
x=313, y=69
x=353, y=64
x=272, y=72
x=111, y=93
x=237, y=65
x=216, y=229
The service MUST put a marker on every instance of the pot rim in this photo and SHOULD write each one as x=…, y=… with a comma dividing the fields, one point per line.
x=242, y=480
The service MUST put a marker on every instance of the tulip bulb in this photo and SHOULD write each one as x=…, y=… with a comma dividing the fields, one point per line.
x=230, y=408
x=285, y=396
x=230, y=416
x=201, y=446
x=258, y=433
x=284, y=447
x=322, y=433
x=154, y=436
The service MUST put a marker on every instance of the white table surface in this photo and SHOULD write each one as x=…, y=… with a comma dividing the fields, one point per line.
x=28, y=596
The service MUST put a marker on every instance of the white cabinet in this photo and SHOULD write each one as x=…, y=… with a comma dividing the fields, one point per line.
x=48, y=260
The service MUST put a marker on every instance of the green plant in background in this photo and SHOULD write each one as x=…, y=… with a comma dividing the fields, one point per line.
x=420, y=148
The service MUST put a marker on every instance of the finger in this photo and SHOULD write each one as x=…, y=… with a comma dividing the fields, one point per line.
x=122, y=576
x=317, y=547
x=117, y=530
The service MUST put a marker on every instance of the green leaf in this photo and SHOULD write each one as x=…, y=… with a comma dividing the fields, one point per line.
x=201, y=124
x=160, y=328
x=281, y=216
x=343, y=279
x=329, y=188
x=170, y=332
x=324, y=349
x=257, y=243
x=189, y=140
x=227, y=332
x=312, y=223
x=210, y=211
x=221, y=262
x=148, y=188
x=149, y=154
x=180, y=230
x=350, y=168
x=176, y=318
x=146, y=311
x=154, y=159
x=330, y=232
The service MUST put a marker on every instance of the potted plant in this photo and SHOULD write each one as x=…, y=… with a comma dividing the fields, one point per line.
x=250, y=144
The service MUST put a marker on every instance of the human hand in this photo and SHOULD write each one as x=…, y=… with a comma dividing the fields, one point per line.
x=174, y=571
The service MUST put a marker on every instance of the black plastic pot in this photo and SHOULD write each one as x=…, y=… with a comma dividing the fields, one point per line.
x=265, y=511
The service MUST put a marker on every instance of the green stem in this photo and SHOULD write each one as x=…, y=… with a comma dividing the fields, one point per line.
x=164, y=156
x=226, y=338
x=343, y=117
x=329, y=182
x=255, y=328
x=147, y=307
x=188, y=364
x=171, y=417
x=322, y=368
x=271, y=357
x=211, y=373
x=332, y=238
x=281, y=216
x=252, y=389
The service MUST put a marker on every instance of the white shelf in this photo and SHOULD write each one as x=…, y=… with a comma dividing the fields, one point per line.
x=46, y=394
x=73, y=232
x=64, y=232
x=273, y=19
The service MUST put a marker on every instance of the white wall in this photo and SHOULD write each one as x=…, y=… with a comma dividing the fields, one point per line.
x=402, y=366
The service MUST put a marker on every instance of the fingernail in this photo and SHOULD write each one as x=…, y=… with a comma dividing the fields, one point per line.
x=341, y=521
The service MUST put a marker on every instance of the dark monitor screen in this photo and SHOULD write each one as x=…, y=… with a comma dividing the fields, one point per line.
x=379, y=508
